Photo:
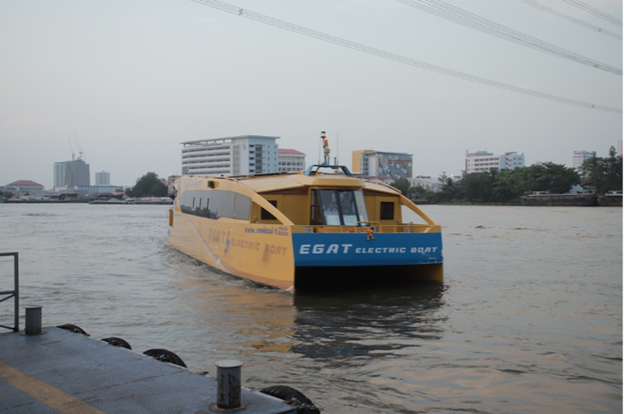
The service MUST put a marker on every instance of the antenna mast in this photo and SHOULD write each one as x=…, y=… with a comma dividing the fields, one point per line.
x=337, y=147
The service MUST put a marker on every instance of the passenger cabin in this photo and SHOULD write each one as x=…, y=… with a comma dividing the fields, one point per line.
x=327, y=199
x=323, y=199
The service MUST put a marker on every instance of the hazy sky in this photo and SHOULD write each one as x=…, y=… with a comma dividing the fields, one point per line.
x=134, y=78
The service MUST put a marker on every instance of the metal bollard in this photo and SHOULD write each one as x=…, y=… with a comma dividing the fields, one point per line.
x=33, y=320
x=229, y=384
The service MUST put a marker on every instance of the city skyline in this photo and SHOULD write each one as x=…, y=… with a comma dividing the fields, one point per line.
x=132, y=81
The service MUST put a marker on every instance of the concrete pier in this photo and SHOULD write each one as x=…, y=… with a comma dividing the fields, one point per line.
x=63, y=372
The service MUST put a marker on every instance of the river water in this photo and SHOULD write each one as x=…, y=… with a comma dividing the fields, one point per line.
x=529, y=319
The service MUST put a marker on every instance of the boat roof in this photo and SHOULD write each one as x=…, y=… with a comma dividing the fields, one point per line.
x=281, y=182
x=338, y=177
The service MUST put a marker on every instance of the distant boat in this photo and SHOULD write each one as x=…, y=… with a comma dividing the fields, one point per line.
x=572, y=200
x=611, y=199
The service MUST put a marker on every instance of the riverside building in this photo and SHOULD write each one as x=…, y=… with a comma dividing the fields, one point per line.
x=71, y=173
x=580, y=156
x=239, y=155
x=102, y=178
x=291, y=160
x=377, y=163
x=481, y=161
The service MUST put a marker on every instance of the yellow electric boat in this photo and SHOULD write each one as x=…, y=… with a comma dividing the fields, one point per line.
x=318, y=228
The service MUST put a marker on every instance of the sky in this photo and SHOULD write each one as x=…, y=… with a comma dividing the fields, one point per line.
x=127, y=81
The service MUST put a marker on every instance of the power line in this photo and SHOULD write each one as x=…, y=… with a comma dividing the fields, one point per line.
x=589, y=9
x=473, y=21
x=394, y=57
x=571, y=19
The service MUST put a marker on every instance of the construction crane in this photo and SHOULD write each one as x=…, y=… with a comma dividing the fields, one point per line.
x=72, y=149
x=81, y=157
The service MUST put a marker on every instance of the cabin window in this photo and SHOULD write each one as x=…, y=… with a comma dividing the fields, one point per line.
x=265, y=215
x=386, y=210
x=242, y=207
x=206, y=211
x=339, y=207
x=227, y=204
x=316, y=218
x=361, y=205
x=217, y=204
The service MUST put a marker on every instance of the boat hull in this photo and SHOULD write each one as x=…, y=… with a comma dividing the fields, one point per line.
x=275, y=256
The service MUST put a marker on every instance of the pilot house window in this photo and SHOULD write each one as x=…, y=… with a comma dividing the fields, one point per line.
x=265, y=215
x=386, y=210
x=337, y=207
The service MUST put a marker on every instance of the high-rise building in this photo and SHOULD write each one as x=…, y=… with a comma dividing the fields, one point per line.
x=240, y=155
x=377, y=163
x=291, y=160
x=75, y=172
x=580, y=156
x=482, y=161
x=357, y=160
x=102, y=178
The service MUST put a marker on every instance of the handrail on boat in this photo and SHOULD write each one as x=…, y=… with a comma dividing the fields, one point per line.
x=408, y=203
x=13, y=293
x=380, y=228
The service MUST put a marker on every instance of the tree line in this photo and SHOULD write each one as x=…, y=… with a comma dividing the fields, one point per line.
x=505, y=186
x=148, y=186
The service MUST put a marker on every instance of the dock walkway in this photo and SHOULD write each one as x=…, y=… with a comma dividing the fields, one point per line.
x=63, y=372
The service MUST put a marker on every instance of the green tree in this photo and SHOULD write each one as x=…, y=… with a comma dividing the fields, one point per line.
x=148, y=185
x=416, y=192
x=509, y=184
x=555, y=178
x=401, y=184
x=448, y=190
x=604, y=174
x=7, y=194
x=478, y=187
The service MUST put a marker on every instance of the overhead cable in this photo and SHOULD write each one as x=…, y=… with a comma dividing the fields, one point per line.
x=572, y=19
x=473, y=21
x=394, y=57
x=589, y=9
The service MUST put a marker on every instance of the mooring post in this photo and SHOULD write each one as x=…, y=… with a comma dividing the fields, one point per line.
x=33, y=320
x=229, y=384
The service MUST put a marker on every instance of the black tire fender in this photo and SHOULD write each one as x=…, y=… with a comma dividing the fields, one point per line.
x=165, y=356
x=73, y=328
x=117, y=342
x=292, y=397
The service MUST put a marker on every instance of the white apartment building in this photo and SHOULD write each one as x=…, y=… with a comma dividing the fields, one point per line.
x=291, y=160
x=481, y=161
x=102, y=178
x=580, y=157
x=240, y=155
x=425, y=182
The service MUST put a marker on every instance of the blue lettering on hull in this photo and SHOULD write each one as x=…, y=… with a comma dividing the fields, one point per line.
x=346, y=249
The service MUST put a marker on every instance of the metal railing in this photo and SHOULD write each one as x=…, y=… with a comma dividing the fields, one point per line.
x=376, y=226
x=13, y=293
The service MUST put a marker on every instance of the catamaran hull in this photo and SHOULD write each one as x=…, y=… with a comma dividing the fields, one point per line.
x=272, y=255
